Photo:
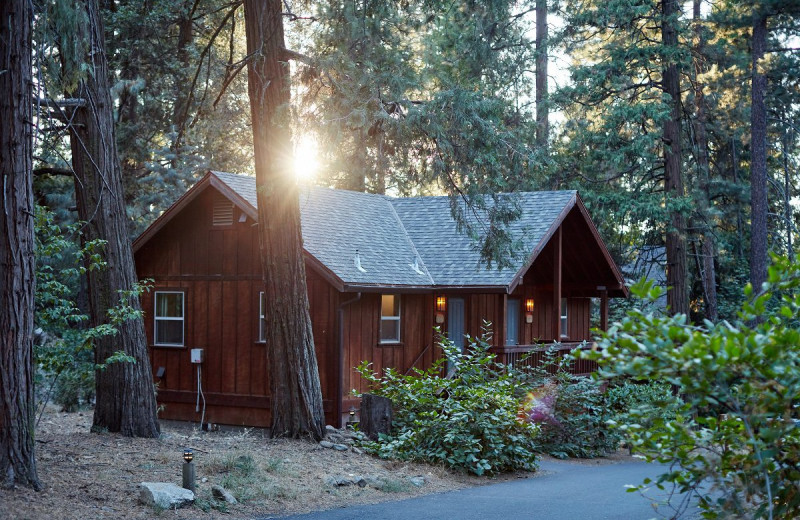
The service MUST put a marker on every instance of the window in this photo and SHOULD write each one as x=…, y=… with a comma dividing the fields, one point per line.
x=262, y=322
x=390, y=318
x=512, y=321
x=564, y=318
x=169, y=318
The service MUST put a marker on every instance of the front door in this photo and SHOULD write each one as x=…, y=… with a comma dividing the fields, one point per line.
x=455, y=326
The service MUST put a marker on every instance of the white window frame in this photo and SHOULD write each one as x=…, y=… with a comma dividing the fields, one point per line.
x=262, y=322
x=157, y=318
x=391, y=318
x=564, y=317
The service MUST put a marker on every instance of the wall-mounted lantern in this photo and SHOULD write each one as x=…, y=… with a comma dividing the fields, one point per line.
x=529, y=310
x=441, y=306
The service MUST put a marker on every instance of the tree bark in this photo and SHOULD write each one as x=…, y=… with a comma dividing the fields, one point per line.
x=295, y=391
x=542, y=120
x=758, y=156
x=17, y=263
x=677, y=297
x=125, y=394
x=707, y=249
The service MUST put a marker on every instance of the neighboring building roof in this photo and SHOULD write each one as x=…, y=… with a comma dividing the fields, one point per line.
x=366, y=240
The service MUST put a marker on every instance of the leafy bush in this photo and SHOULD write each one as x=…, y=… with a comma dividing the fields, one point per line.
x=466, y=421
x=578, y=426
x=650, y=401
x=740, y=381
x=66, y=355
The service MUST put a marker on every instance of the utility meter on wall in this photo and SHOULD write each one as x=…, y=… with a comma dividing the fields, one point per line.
x=197, y=355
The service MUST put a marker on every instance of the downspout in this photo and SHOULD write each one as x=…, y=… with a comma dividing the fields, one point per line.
x=340, y=379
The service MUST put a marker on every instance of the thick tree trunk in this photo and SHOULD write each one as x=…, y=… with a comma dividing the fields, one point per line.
x=542, y=120
x=677, y=297
x=707, y=271
x=125, y=395
x=295, y=391
x=17, y=263
x=758, y=156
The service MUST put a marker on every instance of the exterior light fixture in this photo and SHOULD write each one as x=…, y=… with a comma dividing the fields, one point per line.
x=351, y=420
x=188, y=470
x=529, y=310
x=441, y=306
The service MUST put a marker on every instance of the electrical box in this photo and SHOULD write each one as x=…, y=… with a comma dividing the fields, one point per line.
x=197, y=355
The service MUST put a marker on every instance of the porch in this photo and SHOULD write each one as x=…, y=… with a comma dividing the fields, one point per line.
x=536, y=354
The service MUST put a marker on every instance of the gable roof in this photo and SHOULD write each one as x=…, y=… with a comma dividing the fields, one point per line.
x=363, y=241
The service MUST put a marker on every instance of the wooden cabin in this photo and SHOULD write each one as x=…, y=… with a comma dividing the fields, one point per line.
x=382, y=273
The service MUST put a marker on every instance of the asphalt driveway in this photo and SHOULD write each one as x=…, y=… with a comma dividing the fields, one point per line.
x=563, y=490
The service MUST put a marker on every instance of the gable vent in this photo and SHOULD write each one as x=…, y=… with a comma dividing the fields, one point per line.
x=223, y=212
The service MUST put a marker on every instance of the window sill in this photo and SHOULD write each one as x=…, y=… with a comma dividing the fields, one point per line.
x=390, y=344
x=168, y=346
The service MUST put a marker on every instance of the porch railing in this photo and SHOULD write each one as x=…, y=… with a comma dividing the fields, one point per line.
x=535, y=355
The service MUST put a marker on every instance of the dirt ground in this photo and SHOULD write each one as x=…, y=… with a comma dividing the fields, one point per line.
x=94, y=475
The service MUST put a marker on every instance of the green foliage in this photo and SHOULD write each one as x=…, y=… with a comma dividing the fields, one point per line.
x=66, y=353
x=578, y=424
x=465, y=421
x=740, y=380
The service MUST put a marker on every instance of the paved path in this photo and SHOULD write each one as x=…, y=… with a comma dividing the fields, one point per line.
x=563, y=491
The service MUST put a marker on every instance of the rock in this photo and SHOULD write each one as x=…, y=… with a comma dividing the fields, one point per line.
x=335, y=437
x=358, y=450
x=221, y=493
x=339, y=480
x=375, y=481
x=417, y=481
x=326, y=444
x=330, y=429
x=164, y=495
x=340, y=447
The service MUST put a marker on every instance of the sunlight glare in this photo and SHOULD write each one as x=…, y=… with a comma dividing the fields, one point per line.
x=305, y=158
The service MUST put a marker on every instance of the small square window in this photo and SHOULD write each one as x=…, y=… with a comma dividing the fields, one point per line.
x=390, y=318
x=169, y=318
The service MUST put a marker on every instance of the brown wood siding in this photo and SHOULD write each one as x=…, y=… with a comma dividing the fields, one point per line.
x=217, y=267
x=361, y=337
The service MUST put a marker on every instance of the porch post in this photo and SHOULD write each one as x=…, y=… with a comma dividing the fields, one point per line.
x=603, y=308
x=557, y=285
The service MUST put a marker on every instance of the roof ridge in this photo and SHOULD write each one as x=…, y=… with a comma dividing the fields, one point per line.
x=408, y=238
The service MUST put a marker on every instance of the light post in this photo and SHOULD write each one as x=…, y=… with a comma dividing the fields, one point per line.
x=188, y=470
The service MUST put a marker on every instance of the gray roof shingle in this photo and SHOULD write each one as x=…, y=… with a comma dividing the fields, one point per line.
x=390, y=233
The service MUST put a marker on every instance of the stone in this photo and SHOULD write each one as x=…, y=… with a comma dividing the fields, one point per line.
x=164, y=495
x=340, y=447
x=221, y=493
x=375, y=481
x=335, y=437
x=330, y=429
x=358, y=450
x=417, y=481
x=326, y=444
x=339, y=481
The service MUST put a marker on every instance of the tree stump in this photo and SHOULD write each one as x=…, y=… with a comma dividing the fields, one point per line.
x=376, y=415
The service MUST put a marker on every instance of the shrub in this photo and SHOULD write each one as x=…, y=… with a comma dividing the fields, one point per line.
x=734, y=440
x=466, y=421
x=580, y=414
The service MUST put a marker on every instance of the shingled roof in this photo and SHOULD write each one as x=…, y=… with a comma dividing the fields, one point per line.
x=366, y=240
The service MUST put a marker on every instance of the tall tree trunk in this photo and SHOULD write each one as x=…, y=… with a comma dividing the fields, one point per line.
x=707, y=271
x=295, y=391
x=17, y=263
x=758, y=155
x=125, y=395
x=542, y=120
x=677, y=297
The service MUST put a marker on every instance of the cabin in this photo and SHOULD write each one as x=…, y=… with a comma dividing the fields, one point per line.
x=382, y=274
